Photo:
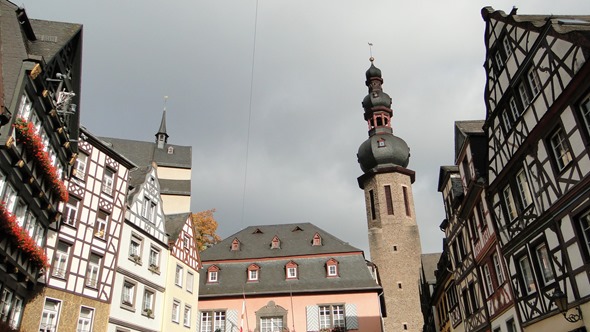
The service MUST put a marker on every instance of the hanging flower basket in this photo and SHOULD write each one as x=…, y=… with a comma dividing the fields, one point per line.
x=21, y=238
x=27, y=135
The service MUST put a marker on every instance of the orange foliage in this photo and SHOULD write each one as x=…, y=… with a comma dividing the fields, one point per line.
x=205, y=227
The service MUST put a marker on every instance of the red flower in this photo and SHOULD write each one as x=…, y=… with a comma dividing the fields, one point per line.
x=21, y=238
x=27, y=135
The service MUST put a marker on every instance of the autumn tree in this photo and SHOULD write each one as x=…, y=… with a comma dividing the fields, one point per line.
x=205, y=227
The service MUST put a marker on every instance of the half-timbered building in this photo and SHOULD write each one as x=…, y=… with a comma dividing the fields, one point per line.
x=40, y=65
x=182, y=285
x=289, y=277
x=84, y=251
x=537, y=126
x=140, y=277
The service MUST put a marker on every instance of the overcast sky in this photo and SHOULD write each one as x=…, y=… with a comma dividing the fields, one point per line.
x=305, y=114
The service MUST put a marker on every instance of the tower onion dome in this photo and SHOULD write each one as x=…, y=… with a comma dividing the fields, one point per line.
x=382, y=148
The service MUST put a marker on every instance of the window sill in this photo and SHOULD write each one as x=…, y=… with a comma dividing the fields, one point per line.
x=127, y=307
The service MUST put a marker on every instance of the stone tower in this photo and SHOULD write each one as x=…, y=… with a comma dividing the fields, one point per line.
x=394, y=239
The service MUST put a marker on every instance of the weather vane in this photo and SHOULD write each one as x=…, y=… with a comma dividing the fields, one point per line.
x=371, y=51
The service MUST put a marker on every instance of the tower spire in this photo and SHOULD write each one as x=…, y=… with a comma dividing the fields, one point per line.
x=394, y=240
x=162, y=135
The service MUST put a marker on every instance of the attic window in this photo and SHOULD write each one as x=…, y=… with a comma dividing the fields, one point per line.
x=170, y=150
x=276, y=243
x=253, y=272
x=291, y=270
x=235, y=245
x=257, y=231
x=332, y=268
x=297, y=229
x=381, y=143
x=317, y=240
x=213, y=274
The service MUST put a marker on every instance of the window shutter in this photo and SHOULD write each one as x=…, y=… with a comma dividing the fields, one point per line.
x=352, y=322
x=198, y=321
x=231, y=321
x=313, y=321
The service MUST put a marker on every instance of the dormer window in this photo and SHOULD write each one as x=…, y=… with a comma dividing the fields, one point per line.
x=332, y=268
x=170, y=150
x=276, y=243
x=235, y=245
x=253, y=272
x=213, y=274
x=291, y=270
x=317, y=240
x=381, y=143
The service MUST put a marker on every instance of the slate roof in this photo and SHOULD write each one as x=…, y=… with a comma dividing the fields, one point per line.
x=174, y=224
x=175, y=187
x=464, y=129
x=429, y=265
x=295, y=239
x=137, y=177
x=296, y=246
x=50, y=38
x=569, y=26
x=144, y=153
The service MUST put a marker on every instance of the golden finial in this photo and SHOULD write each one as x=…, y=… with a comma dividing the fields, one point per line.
x=371, y=52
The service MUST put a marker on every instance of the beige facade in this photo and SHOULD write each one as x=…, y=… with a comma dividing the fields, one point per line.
x=394, y=243
x=70, y=307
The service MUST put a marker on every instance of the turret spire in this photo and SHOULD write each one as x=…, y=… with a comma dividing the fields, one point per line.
x=382, y=149
x=162, y=135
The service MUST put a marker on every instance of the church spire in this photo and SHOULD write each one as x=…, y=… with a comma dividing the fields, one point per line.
x=162, y=135
x=382, y=149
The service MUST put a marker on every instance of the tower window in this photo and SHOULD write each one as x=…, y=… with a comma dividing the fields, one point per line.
x=406, y=201
x=372, y=198
x=381, y=143
x=388, y=199
x=399, y=285
x=394, y=248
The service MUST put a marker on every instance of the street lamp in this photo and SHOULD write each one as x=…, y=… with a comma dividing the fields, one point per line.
x=560, y=300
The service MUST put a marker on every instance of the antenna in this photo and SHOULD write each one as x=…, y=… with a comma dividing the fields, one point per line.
x=371, y=51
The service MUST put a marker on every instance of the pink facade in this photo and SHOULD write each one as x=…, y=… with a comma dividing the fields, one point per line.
x=366, y=304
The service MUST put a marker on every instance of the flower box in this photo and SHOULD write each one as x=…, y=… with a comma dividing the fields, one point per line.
x=21, y=238
x=27, y=135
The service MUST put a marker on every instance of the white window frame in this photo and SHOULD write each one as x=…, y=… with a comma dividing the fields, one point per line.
x=212, y=276
x=498, y=268
x=50, y=316
x=527, y=274
x=148, y=303
x=544, y=262
x=175, y=311
x=524, y=189
x=154, y=258
x=71, y=211
x=15, y=314
x=60, y=263
x=5, y=303
x=25, y=107
x=187, y=315
x=178, y=275
x=507, y=46
x=85, y=322
x=509, y=203
x=534, y=81
x=135, y=248
x=211, y=321
x=560, y=149
x=81, y=164
x=128, y=293
x=331, y=316
x=93, y=270
x=524, y=95
x=108, y=181
x=190, y=280
x=292, y=272
x=332, y=270
x=253, y=275
x=585, y=111
x=488, y=280
x=101, y=226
